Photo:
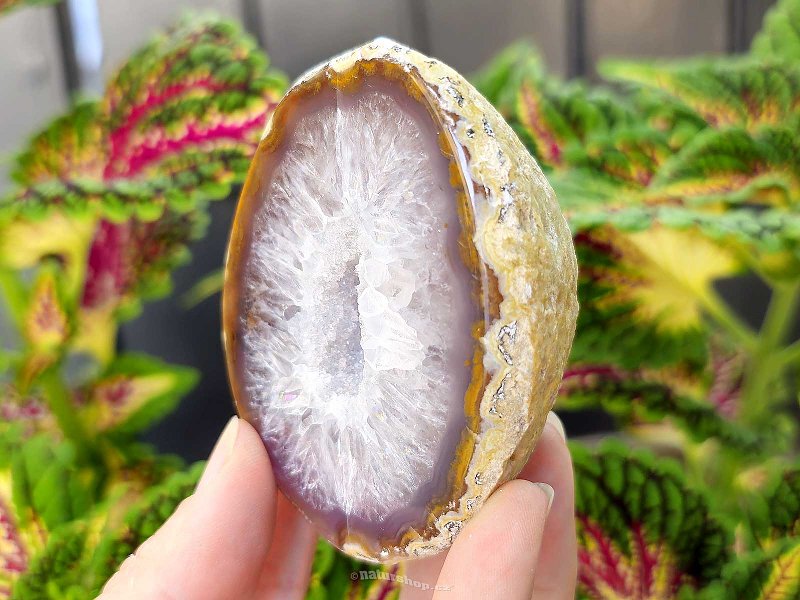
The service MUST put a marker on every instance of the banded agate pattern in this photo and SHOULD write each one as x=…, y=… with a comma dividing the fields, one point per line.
x=380, y=304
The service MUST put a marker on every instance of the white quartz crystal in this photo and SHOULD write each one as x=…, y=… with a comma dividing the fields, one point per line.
x=358, y=338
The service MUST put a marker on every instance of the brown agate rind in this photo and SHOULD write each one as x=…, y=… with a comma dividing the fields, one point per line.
x=516, y=244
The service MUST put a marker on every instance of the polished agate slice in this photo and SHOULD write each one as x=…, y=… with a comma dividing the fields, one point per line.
x=399, y=303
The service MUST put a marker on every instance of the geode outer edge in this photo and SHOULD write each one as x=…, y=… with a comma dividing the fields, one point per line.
x=522, y=237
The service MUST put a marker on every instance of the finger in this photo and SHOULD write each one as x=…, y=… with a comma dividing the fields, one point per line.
x=557, y=571
x=427, y=570
x=288, y=565
x=215, y=544
x=424, y=570
x=495, y=556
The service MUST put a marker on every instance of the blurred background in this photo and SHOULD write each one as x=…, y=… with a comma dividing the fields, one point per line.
x=54, y=53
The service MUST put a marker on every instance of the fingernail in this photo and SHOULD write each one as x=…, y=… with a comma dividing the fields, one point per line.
x=548, y=491
x=221, y=452
x=552, y=419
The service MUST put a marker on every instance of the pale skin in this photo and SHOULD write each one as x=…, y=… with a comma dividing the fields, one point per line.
x=238, y=537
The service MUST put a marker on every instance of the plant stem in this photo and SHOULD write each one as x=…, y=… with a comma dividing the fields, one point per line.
x=60, y=404
x=789, y=355
x=718, y=310
x=766, y=363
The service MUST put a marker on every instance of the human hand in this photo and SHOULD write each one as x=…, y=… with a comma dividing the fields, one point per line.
x=238, y=537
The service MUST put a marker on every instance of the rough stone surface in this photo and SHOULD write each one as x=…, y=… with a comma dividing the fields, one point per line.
x=399, y=301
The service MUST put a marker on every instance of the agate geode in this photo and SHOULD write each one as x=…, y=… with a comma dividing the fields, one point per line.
x=399, y=303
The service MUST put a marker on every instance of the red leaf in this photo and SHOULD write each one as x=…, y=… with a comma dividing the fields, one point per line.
x=13, y=554
x=649, y=572
x=108, y=271
x=531, y=115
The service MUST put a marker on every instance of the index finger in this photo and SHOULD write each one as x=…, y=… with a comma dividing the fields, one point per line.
x=216, y=543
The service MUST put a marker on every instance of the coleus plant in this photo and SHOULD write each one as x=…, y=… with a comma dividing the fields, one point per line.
x=683, y=175
x=107, y=198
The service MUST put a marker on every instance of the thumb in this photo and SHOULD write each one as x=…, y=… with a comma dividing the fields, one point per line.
x=216, y=542
x=495, y=555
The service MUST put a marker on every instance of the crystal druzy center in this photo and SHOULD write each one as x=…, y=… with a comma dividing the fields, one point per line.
x=357, y=312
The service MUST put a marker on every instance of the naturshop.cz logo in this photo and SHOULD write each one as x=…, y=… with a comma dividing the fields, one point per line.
x=401, y=579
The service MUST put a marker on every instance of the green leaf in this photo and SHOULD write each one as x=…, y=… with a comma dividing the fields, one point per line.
x=57, y=570
x=141, y=522
x=18, y=540
x=626, y=156
x=71, y=146
x=780, y=514
x=674, y=286
x=40, y=313
x=49, y=485
x=27, y=243
x=770, y=574
x=642, y=533
x=728, y=92
x=499, y=81
x=553, y=116
x=641, y=397
x=47, y=319
x=735, y=166
x=133, y=249
x=176, y=127
x=135, y=391
x=641, y=287
x=201, y=87
x=64, y=567
x=779, y=37
x=132, y=260
x=669, y=116
x=336, y=575
x=23, y=415
x=119, y=200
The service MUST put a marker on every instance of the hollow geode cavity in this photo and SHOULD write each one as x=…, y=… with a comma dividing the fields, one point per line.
x=399, y=302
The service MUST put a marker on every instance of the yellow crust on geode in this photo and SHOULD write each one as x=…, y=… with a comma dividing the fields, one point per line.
x=524, y=239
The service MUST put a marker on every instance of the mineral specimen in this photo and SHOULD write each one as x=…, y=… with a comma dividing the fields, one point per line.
x=399, y=303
